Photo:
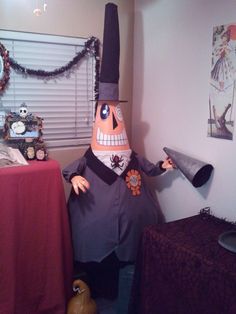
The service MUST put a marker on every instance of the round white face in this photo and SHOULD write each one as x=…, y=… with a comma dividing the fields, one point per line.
x=23, y=111
x=18, y=127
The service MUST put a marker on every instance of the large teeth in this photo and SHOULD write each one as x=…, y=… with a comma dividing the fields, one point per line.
x=110, y=139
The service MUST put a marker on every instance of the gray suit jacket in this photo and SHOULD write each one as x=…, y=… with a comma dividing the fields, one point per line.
x=109, y=216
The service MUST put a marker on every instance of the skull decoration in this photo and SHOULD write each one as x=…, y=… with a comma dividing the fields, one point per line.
x=23, y=111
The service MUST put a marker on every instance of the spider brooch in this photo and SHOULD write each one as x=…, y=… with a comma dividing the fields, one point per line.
x=116, y=162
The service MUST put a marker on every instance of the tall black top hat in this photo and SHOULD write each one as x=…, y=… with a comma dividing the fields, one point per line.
x=109, y=75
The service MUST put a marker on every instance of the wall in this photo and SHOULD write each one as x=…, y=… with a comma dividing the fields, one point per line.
x=172, y=61
x=82, y=18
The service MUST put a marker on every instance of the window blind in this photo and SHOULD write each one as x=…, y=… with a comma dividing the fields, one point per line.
x=64, y=102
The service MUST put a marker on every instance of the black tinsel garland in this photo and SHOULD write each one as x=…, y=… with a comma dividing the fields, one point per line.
x=91, y=46
x=4, y=55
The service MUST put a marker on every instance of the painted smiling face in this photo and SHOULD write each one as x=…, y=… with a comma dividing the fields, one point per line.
x=109, y=132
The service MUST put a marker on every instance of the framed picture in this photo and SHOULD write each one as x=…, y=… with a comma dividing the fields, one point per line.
x=23, y=130
x=18, y=128
x=222, y=100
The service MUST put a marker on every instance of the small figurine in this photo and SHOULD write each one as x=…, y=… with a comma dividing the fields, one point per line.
x=82, y=303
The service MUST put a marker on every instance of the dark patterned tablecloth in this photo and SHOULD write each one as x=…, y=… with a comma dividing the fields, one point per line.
x=181, y=269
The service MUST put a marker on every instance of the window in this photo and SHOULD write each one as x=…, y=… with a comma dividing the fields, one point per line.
x=63, y=101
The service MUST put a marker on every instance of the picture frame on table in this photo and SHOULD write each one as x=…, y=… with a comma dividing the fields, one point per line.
x=25, y=133
x=18, y=128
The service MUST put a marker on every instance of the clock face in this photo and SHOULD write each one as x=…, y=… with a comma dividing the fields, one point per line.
x=18, y=127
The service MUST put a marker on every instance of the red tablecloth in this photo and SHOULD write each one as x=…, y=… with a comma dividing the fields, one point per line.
x=181, y=269
x=35, y=243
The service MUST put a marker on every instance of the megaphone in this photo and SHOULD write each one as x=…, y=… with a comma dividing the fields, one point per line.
x=196, y=171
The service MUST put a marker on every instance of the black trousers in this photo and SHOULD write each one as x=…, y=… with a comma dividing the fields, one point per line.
x=103, y=277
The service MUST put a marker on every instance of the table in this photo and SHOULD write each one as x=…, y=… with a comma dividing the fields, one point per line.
x=182, y=269
x=35, y=242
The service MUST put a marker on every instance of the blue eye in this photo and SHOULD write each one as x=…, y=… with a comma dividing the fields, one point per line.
x=105, y=111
